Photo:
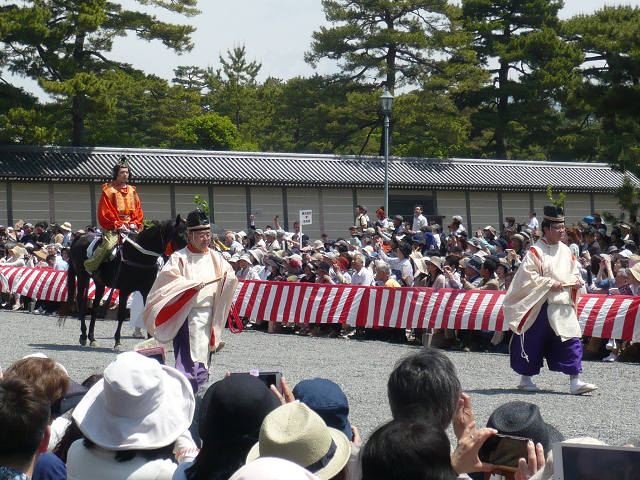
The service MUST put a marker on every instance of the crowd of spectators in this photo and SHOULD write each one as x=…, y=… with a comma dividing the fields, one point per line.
x=139, y=420
x=413, y=252
x=393, y=252
x=41, y=246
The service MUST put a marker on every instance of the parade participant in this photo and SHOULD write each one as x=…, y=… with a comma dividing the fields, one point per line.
x=190, y=301
x=118, y=211
x=540, y=307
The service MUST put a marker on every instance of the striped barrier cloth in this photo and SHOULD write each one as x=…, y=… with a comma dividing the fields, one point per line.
x=41, y=284
x=602, y=316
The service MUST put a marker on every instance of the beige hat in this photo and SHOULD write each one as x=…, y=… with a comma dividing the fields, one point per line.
x=137, y=405
x=317, y=245
x=41, y=254
x=65, y=227
x=296, y=433
x=257, y=254
x=246, y=257
x=635, y=271
x=437, y=261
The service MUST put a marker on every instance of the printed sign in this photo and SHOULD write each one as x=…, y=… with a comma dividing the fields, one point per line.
x=305, y=217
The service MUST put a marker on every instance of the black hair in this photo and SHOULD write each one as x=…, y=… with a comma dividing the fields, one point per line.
x=162, y=453
x=401, y=450
x=417, y=205
x=424, y=386
x=453, y=261
x=490, y=265
x=116, y=169
x=25, y=411
x=405, y=248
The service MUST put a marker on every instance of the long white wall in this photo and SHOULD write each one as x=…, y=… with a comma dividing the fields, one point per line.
x=332, y=207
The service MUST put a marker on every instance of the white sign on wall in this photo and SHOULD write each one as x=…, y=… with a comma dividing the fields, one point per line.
x=306, y=217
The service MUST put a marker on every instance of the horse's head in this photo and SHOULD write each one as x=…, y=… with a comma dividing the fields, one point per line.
x=179, y=236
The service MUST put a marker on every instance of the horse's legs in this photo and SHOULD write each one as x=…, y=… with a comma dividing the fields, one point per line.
x=122, y=314
x=83, y=283
x=99, y=293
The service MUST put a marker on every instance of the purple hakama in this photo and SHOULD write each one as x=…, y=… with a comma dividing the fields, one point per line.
x=540, y=342
x=196, y=372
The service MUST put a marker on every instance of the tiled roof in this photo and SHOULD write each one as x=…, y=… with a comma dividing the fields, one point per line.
x=283, y=169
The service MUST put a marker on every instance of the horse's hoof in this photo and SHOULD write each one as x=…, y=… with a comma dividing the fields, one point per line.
x=83, y=340
x=118, y=347
x=93, y=343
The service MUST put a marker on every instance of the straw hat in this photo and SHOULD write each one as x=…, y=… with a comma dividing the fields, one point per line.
x=635, y=271
x=138, y=405
x=437, y=261
x=295, y=432
x=65, y=227
x=41, y=254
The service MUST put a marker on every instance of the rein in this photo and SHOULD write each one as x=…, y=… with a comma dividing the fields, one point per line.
x=144, y=251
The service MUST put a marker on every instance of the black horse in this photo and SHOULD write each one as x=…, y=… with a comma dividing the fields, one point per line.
x=133, y=269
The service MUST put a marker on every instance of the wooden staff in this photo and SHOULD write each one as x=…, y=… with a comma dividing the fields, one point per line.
x=213, y=281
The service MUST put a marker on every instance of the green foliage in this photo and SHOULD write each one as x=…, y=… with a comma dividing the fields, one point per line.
x=62, y=44
x=201, y=203
x=561, y=197
x=209, y=131
x=610, y=92
x=628, y=196
x=534, y=69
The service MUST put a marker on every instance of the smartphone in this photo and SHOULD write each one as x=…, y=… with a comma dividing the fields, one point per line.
x=268, y=378
x=579, y=461
x=156, y=353
x=504, y=451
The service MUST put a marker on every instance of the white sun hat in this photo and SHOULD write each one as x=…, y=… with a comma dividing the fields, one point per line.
x=138, y=405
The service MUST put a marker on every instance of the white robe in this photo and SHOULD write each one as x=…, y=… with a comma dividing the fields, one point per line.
x=541, y=267
x=184, y=271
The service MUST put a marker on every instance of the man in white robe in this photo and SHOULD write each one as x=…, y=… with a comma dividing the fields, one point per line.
x=540, y=307
x=190, y=301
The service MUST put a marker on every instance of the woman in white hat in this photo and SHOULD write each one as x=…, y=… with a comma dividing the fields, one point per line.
x=135, y=423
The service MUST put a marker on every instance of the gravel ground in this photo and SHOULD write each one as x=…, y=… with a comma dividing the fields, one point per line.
x=361, y=368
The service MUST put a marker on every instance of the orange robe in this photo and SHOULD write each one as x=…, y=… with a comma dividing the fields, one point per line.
x=119, y=206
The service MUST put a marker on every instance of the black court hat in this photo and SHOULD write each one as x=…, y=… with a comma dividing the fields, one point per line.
x=197, y=220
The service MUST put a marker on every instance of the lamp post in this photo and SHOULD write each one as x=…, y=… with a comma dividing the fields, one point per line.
x=387, y=100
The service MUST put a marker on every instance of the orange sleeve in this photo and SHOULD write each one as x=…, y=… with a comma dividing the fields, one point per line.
x=108, y=214
x=136, y=216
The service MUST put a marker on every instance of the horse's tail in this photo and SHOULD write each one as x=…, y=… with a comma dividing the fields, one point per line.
x=67, y=307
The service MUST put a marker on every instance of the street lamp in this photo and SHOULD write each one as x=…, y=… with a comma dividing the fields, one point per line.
x=387, y=100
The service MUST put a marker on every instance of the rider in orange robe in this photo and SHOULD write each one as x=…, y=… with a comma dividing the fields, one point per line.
x=119, y=211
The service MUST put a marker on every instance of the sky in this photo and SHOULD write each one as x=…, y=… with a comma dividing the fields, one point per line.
x=276, y=33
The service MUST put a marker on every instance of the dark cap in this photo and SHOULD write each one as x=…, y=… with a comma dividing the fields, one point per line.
x=326, y=399
x=234, y=408
x=197, y=220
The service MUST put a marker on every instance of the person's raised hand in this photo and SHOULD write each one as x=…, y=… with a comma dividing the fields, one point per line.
x=465, y=457
x=464, y=415
x=535, y=461
x=287, y=395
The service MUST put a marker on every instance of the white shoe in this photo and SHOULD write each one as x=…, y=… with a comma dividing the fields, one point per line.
x=137, y=333
x=611, y=358
x=16, y=306
x=611, y=344
x=583, y=388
